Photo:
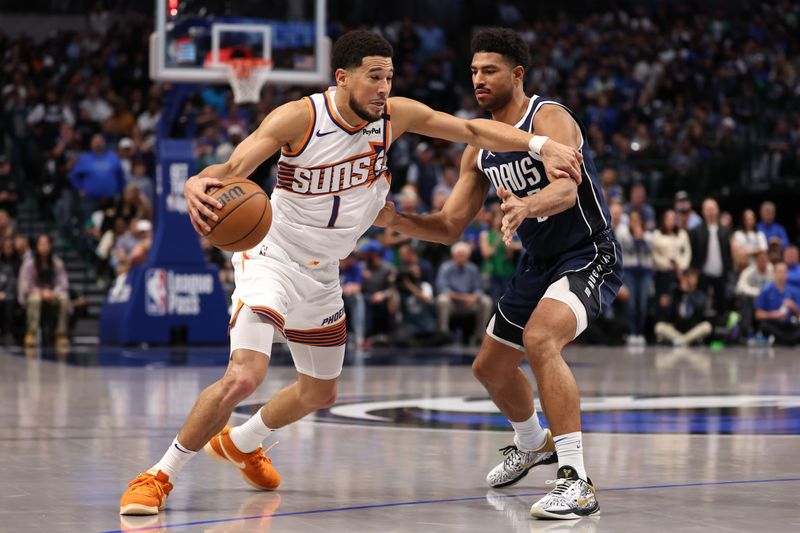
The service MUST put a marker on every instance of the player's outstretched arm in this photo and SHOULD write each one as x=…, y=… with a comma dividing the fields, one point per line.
x=461, y=206
x=286, y=125
x=561, y=161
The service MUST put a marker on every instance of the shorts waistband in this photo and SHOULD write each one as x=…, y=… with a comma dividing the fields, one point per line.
x=545, y=263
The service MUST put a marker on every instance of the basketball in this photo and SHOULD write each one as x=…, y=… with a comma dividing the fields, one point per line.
x=244, y=218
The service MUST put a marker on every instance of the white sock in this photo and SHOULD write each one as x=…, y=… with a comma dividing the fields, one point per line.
x=570, y=452
x=176, y=456
x=249, y=436
x=529, y=434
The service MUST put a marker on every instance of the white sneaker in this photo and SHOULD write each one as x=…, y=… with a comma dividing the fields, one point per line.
x=518, y=462
x=572, y=498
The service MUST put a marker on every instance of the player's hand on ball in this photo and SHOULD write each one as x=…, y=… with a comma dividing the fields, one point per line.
x=198, y=202
x=386, y=216
x=515, y=211
x=561, y=161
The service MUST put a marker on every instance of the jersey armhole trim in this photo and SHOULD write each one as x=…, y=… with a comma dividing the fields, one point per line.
x=309, y=131
x=551, y=102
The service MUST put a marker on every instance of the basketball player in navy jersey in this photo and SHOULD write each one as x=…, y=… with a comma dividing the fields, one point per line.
x=571, y=270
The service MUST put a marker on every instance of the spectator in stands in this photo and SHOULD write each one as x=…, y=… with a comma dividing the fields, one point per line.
x=472, y=234
x=8, y=292
x=408, y=203
x=133, y=204
x=639, y=203
x=748, y=241
x=672, y=254
x=148, y=121
x=445, y=186
x=726, y=221
x=142, y=181
x=498, y=260
x=6, y=225
x=791, y=256
x=350, y=278
x=122, y=258
x=9, y=256
x=416, y=305
x=95, y=107
x=107, y=243
x=425, y=172
x=144, y=236
x=637, y=256
x=121, y=122
x=684, y=323
x=769, y=227
x=410, y=260
x=45, y=119
x=43, y=281
x=9, y=185
x=126, y=150
x=97, y=176
x=610, y=183
x=22, y=246
x=751, y=282
x=460, y=291
x=377, y=284
x=777, y=309
x=688, y=219
x=711, y=254
x=235, y=135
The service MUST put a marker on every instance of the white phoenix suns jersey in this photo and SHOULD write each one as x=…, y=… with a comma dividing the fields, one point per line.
x=331, y=188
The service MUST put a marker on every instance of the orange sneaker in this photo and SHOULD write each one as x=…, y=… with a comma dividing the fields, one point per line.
x=256, y=468
x=147, y=494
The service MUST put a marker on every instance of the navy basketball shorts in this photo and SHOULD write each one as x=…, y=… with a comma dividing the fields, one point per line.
x=586, y=279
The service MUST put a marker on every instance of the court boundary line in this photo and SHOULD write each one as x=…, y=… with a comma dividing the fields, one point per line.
x=445, y=500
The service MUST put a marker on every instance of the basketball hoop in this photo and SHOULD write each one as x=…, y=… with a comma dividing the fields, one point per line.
x=247, y=75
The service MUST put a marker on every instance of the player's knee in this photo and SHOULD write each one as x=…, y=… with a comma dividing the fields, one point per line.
x=539, y=344
x=238, y=386
x=483, y=370
x=318, y=397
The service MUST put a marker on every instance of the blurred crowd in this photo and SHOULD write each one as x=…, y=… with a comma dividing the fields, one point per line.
x=685, y=107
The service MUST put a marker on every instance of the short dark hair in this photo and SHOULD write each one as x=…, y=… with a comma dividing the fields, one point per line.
x=505, y=42
x=352, y=47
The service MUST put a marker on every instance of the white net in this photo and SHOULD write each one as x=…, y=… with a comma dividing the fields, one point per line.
x=247, y=76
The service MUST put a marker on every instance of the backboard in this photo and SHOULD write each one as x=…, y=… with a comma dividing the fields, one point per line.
x=194, y=38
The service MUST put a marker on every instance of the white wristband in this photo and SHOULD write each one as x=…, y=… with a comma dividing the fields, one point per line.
x=535, y=146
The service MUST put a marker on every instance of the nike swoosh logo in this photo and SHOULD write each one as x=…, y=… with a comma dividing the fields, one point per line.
x=179, y=449
x=320, y=134
x=241, y=465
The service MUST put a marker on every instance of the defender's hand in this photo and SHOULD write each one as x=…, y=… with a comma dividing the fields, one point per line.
x=561, y=161
x=386, y=216
x=515, y=212
x=198, y=202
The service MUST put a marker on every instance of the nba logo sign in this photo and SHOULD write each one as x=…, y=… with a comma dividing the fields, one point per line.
x=155, y=297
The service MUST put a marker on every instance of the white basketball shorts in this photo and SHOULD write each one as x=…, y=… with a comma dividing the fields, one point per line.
x=303, y=304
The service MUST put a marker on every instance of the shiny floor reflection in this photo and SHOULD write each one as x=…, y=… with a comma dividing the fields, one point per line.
x=675, y=440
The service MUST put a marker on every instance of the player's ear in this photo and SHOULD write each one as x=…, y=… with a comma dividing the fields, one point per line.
x=519, y=73
x=341, y=78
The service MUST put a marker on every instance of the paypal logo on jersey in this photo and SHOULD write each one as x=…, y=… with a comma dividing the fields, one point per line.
x=517, y=176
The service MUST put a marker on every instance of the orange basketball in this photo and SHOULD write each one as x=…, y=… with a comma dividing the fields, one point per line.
x=245, y=216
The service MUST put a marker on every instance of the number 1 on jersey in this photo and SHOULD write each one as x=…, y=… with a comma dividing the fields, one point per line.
x=335, y=212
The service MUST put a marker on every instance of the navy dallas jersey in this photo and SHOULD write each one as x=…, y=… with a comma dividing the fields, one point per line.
x=572, y=257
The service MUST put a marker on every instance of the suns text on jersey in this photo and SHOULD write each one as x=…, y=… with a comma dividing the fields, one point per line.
x=336, y=177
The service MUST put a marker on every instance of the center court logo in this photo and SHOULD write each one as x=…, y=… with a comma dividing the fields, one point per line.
x=173, y=293
x=734, y=414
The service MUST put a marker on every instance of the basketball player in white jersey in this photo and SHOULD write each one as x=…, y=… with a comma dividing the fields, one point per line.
x=332, y=183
